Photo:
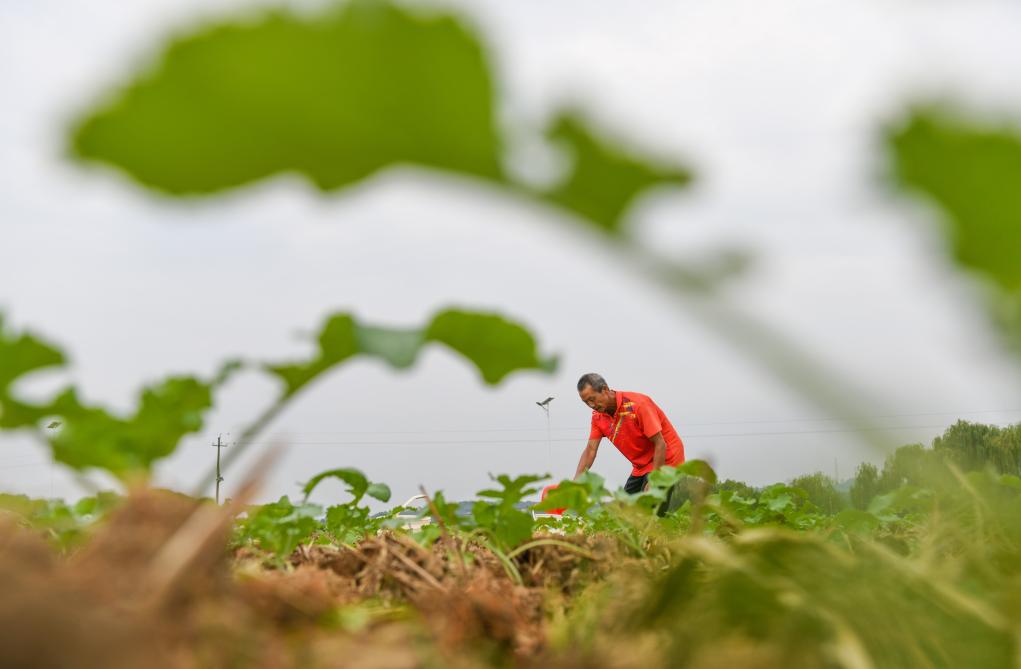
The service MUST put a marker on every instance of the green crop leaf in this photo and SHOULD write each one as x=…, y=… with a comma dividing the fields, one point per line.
x=63, y=525
x=399, y=348
x=447, y=511
x=278, y=527
x=605, y=176
x=93, y=437
x=334, y=97
x=699, y=468
x=780, y=503
x=337, y=342
x=498, y=516
x=348, y=523
x=971, y=171
x=513, y=490
x=22, y=354
x=380, y=491
x=357, y=484
x=97, y=506
x=447, y=515
x=493, y=344
x=505, y=526
x=579, y=496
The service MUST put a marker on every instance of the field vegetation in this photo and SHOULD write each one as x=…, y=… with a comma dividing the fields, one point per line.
x=916, y=563
x=918, y=566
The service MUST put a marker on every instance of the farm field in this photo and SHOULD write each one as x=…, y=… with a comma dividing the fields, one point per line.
x=266, y=194
x=916, y=565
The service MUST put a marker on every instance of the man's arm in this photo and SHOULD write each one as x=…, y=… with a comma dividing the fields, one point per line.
x=588, y=456
x=658, y=455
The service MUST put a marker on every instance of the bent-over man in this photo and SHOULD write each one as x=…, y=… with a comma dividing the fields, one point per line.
x=634, y=424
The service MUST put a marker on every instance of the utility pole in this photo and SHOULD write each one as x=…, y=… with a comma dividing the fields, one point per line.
x=544, y=405
x=219, y=445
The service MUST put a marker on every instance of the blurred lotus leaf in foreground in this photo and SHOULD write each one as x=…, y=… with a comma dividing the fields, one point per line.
x=21, y=354
x=87, y=436
x=337, y=97
x=334, y=98
x=972, y=172
x=493, y=344
x=605, y=177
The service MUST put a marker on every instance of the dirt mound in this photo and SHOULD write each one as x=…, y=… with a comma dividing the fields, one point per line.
x=155, y=586
x=487, y=612
x=462, y=590
x=49, y=618
x=567, y=563
x=391, y=567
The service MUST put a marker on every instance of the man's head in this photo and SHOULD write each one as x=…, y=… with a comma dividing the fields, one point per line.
x=596, y=394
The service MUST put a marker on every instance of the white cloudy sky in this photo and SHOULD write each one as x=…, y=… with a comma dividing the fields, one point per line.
x=777, y=105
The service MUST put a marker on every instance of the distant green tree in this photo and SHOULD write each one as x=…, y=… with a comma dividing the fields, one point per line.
x=738, y=487
x=865, y=486
x=821, y=491
x=974, y=446
x=915, y=465
x=1009, y=441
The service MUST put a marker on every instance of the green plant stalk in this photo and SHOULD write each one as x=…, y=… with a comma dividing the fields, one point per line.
x=550, y=542
x=508, y=565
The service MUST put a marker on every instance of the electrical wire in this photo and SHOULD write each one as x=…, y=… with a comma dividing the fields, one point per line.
x=685, y=425
x=26, y=464
x=486, y=442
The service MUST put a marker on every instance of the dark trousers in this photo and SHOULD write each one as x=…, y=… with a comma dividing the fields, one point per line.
x=635, y=484
x=675, y=497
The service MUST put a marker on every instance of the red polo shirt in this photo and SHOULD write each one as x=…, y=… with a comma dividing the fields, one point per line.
x=636, y=419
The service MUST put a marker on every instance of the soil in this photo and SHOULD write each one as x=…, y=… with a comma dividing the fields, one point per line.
x=155, y=586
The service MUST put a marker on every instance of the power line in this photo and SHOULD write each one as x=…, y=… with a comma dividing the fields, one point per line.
x=486, y=442
x=683, y=425
x=24, y=465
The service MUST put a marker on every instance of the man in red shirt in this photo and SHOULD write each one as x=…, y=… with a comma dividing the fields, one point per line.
x=634, y=424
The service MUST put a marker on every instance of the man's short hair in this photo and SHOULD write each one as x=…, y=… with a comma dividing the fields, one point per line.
x=592, y=380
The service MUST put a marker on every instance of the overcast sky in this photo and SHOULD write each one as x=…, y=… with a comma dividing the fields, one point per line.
x=777, y=106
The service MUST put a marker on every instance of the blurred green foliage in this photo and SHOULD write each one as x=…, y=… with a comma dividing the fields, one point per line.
x=358, y=486
x=64, y=525
x=497, y=514
x=84, y=436
x=278, y=527
x=964, y=445
x=336, y=97
x=928, y=575
x=924, y=570
x=605, y=177
x=21, y=354
x=94, y=437
x=971, y=171
x=493, y=344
